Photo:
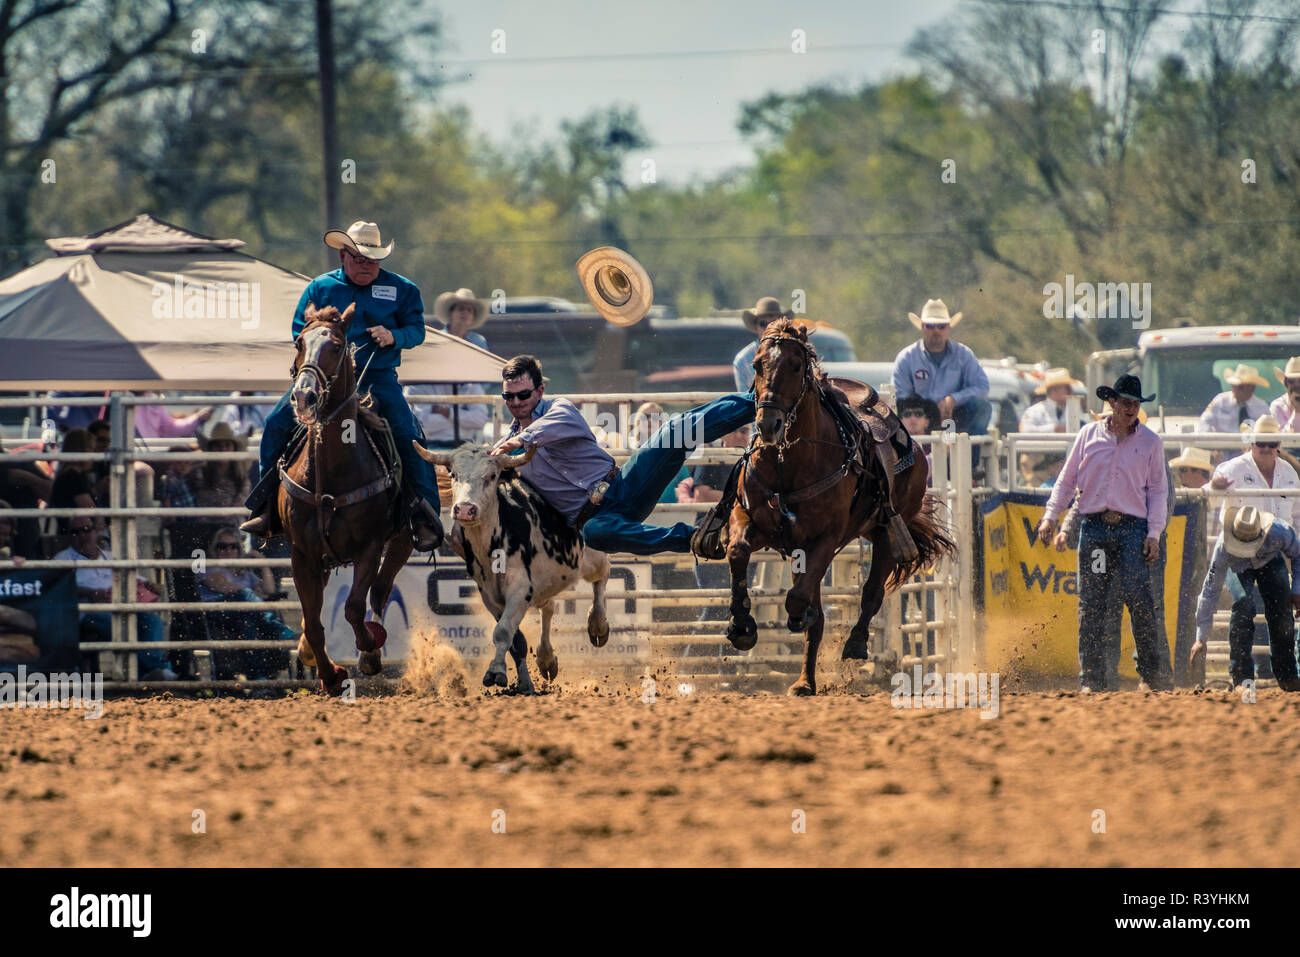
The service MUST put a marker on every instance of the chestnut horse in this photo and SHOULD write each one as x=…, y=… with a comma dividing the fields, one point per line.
x=338, y=499
x=807, y=488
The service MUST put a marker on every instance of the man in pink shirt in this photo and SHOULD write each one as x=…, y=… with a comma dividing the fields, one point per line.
x=1118, y=467
x=155, y=422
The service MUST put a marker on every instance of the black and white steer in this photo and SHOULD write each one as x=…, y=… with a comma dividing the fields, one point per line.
x=521, y=553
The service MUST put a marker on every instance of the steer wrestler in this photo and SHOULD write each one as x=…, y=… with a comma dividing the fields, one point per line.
x=573, y=473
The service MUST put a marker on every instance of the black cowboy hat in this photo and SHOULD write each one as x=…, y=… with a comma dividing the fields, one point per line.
x=1126, y=387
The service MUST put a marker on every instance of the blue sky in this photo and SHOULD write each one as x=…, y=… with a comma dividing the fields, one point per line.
x=686, y=65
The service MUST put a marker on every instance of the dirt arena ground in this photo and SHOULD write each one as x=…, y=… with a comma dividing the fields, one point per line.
x=599, y=777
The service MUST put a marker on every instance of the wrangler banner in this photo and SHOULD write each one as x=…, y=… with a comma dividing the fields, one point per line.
x=1030, y=590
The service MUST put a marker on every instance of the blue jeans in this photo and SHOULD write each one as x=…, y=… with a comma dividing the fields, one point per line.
x=973, y=417
x=149, y=627
x=1119, y=547
x=389, y=402
x=1274, y=582
x=1115, y=615
x=618, y=525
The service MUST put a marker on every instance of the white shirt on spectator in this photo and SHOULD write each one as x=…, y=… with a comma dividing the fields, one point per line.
x=91, y=578
x=1224, y=415
x=441, y=428
x=1245, y=474
x=1043, y=416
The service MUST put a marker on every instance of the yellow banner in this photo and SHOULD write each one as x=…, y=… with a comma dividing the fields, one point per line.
x=1031, y=593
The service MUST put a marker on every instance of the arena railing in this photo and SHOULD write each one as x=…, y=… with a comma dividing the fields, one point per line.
x=953, y=622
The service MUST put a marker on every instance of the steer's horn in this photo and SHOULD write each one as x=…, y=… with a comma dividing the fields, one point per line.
x=434, y=458
x=508, y=461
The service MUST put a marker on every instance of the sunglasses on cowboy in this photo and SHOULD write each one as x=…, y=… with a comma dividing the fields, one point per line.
x=523, y=395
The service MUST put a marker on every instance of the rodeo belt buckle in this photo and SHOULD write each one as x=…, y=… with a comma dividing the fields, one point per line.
x=1112, y=517
x=598, y=492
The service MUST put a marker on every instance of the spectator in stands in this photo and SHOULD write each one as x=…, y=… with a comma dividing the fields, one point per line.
x=1259, y=468
x=72, y=416
x=1286, y=407
x=97, y=473
x=1192, y=467
x=72, y=488
x=9, y=548
x=766, y=310
x=245, y=584
x=1255, y=547
x=1229, y=411
x=447, y=426
x=947, y=373
x=222, y=484
x=24, y=485
x=155, y=422
x=919, y=416
x=1118, y=467
x=177, y=487
x=94, y=586
x=1050, y=414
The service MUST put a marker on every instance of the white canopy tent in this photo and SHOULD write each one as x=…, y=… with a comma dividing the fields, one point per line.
x=148, y=305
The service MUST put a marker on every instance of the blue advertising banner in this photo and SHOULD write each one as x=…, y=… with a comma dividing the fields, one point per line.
x=38, y=620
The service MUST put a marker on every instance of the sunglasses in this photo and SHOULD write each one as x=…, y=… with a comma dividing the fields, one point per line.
x=912, y=414
x=520, y=396
x=1268, y=445
x=81, y=530
x=223, y=546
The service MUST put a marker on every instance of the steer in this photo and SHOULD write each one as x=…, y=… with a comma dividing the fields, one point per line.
x=522, y=553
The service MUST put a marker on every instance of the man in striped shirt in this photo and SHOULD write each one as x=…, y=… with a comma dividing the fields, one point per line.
x=1117, y=465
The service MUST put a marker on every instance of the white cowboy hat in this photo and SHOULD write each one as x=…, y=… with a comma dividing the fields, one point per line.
x=1057, y=377
x=362, y=238
x=443, y=305
x=767, y=310
x=1244, y=530
x=1244, y=375
x=220, y=431
x=934, y=313
x=1292, y=370
x=1193, y=458
x=617, y=285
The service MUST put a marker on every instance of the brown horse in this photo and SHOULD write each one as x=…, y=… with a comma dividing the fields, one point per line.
x=808, y=487
x=338, y=499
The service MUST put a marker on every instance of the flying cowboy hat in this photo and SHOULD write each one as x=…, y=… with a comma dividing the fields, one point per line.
x=1244, y=375
x=444, y=304
x=1057, y=377
x=362, y=238
x=220, y=431
x=934, y=313
x=617, y=285
x=1292, y=370
x=1244, y=530
x=1193, y=458
x=765, y=310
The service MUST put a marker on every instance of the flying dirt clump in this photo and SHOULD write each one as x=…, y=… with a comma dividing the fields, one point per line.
x=434, y=669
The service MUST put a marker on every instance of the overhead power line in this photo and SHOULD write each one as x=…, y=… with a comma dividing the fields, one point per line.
x=1165, y=11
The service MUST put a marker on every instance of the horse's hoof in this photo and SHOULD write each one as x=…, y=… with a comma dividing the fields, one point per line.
x=495, y=678
x=378, y=635
x=742, y=634
x=335, y=688
x=804, y=623
x=801, y=689
x=549, y=669
x=305, y=657
x=598, y=632
x=370, y=662
x=856, y=649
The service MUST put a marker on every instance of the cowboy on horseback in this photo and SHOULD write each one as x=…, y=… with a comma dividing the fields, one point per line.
x=388, y=317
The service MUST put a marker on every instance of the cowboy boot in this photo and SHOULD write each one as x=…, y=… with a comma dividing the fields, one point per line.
x=426, y=527
x=263, y=524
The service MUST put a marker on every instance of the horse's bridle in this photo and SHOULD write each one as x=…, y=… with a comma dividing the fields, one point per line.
x=792, y=413
x=326, y=381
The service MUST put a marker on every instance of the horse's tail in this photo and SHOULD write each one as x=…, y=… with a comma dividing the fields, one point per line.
x=933, y=541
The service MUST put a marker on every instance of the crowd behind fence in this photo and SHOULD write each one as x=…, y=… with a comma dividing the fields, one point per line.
x=136, y=541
